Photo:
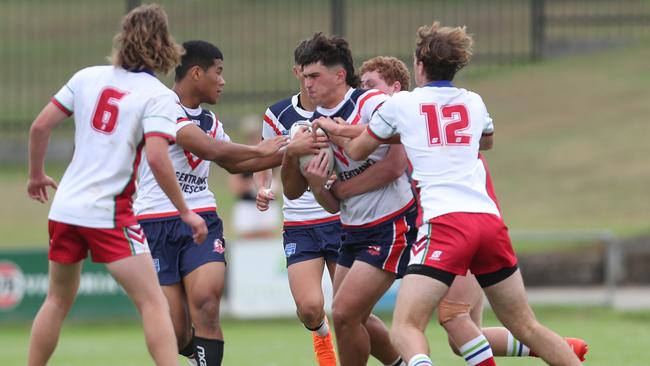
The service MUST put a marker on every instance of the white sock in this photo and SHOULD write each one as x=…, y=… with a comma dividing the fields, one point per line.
x=516, y=348
x=323, y=329
x=476, y=351
x=420, y=360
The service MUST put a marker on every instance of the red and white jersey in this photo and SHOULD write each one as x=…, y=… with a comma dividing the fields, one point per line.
x=278, y=120
x=192, y=173
x=440, y=127
x=371, y=208
x=114, y=110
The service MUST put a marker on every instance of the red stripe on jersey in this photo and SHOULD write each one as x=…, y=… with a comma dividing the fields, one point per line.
x=381, y=220
x=400, y=227
x=362, y=102
x=182, y=119
x=124, y=201
x=489, y=187
x=61, y=107
x=170, y=138
x=273, y=126
x=161, y=215
x=311, y=222
x=338, y=153
x=374, y=136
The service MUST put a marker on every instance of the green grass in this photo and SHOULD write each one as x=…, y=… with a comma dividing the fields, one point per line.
x=615, y=339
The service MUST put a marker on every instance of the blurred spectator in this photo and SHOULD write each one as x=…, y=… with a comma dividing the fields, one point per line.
x=248, y=221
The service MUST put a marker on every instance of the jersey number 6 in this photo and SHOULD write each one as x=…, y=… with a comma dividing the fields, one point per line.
x=454, y=120
x=106, y=111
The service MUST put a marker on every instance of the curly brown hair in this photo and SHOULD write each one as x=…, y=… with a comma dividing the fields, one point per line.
x=390, y=69
x=144, y=42
x=443, y=50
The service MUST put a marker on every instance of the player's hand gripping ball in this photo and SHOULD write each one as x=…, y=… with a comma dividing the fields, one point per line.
x=305, y=159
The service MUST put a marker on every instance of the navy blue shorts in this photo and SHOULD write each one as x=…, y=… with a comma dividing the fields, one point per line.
x=174, y=252
x=303, y=243
x=386, y=246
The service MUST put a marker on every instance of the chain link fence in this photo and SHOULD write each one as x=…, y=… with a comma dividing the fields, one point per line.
x=44, y=43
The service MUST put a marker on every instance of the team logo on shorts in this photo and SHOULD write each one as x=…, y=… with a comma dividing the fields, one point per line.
x=435, y=255
x=218, y=247
x=374, y=250
x=290, y=249
x=156, y=264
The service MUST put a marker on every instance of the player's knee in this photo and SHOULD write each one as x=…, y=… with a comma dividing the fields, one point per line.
x=61, y=303
x=310, y=311
x=453, y=347
x=342, y=316
x=449, y=311
x=206, y=314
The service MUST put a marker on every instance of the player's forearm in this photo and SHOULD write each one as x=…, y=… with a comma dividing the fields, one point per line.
x=263, y=179
x=326, y=199
x=194, y=140
x=163, y=171
x=349, y=131
x=254, y=164
x=373, y=178
x=39, y=138
x=294, y=184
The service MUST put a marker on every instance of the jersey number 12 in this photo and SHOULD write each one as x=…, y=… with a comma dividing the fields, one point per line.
x=452, y=118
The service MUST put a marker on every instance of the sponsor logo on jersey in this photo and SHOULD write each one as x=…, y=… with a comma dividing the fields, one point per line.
x=218, y=246
x=374, y=250
x=290, y=249
x=349, y=174
x=12, y=285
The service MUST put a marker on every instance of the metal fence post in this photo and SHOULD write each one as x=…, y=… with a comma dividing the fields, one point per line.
x=132, y=4
x=613, y=268
x=338, y=17
x=537, y=29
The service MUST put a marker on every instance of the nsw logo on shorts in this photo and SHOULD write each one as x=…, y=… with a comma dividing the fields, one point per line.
x=218, y=247
x=290, y=249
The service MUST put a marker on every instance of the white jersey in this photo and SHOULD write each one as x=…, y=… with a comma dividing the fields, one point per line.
x=114, y=111
x=278, y=120
x=192, y=173
x=441, y=126
x=383, y=204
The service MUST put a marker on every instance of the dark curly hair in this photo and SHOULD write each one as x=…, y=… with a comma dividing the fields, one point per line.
x=332, y=51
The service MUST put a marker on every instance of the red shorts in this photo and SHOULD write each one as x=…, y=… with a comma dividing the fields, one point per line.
x=70, y=243
x=459, y=241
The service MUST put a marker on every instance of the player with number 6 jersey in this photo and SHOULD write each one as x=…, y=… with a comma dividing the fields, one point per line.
x=119, y=111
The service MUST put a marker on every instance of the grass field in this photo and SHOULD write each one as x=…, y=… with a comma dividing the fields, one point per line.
x=616, y=339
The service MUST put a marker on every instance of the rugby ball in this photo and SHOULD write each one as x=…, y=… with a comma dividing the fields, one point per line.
x=305, y=159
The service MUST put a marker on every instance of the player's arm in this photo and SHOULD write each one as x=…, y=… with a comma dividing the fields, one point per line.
x=294, y=184
x=486, y=142
x=360, y=147
x=39, y=138
x=156, y=148
x=230, y=155
x=316, y=175
x=263, y=180
x=255, y=164
x=391, y=167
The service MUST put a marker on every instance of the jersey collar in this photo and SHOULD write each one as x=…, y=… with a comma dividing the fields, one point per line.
x=440, y=84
